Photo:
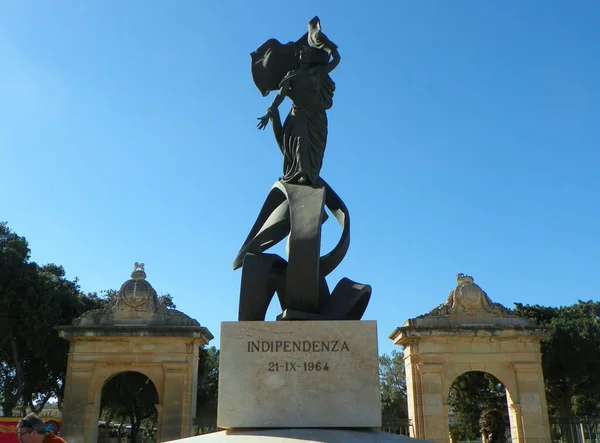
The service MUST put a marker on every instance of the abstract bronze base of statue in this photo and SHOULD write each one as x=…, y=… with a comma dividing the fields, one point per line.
x=295, y=206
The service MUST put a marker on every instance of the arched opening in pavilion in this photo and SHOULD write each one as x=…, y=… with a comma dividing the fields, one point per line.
x=128, y=409
x=478, y=409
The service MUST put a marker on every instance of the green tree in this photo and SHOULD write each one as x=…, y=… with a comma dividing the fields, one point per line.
x=33, y=301
x=45, y=378
x=392, y=383
x=17, y=280
x=208, y=390
x=570, y=358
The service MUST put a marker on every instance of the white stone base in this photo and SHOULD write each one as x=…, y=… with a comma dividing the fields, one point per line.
x=299, y=374
x=300, y=436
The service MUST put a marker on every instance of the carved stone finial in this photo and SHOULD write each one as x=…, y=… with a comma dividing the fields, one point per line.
x=468, y=298
x=137, y=294
x=138, y=271
x=469, y=305
x=463, y=278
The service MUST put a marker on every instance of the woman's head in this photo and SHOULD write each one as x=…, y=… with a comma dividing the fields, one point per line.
x=305, y=54
x=313, y=56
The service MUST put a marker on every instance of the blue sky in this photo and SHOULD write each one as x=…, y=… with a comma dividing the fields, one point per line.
x=464, y=138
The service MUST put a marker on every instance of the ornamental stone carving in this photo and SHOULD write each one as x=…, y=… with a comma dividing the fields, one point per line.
x=468, y=304
x=136, y=303
x=136, y=293
x=468, y=298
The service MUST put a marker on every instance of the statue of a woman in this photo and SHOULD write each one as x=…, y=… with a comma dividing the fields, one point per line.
x=295, y=206
x=303, y=137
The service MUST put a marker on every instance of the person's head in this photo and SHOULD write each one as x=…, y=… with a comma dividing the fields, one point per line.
x=305, y=54
x=313, y=56
x=31, y=429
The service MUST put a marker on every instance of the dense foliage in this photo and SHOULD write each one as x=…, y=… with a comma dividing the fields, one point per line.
x=570, y=360
x=34, y=300
x=208, y=390
x=392, y=383
x=570, y=356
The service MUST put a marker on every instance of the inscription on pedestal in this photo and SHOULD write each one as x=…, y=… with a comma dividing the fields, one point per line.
x=299, y=374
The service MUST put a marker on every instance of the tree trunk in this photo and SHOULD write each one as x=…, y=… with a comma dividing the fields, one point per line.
x=37, y=409
x=60, y=393
x=567, y=430
x=6, y=409
x=120, y=429
x=10, y=401
x=135, y=427
x=110, y=417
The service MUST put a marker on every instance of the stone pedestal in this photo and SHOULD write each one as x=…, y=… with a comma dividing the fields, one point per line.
x=306, y=435
x=299, y=374
x=299, y=382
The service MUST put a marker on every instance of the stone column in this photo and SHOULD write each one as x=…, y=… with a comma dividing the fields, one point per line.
x=434, y=411
x=516, y=424
x=160, y=409
x=174, y=399
x=75, y=406
x=413, y=394
x=187, y=413
x=193, y=358
x=534, y=414
x=92, y=415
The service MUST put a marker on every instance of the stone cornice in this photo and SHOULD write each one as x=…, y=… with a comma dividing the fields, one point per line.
x=407, y=334
x=88, y=332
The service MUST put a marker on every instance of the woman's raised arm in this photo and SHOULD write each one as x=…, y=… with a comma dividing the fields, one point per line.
x=335, y=54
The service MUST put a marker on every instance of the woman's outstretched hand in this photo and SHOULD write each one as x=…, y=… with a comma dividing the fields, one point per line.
x=263, y=121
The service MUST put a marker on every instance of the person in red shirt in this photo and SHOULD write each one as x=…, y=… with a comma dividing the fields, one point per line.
x=32, y=429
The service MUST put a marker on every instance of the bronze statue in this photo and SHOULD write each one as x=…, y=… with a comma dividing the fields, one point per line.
x=295, y=207
x=303, y=138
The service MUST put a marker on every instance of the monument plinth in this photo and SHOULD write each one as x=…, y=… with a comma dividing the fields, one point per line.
x=299, y=374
